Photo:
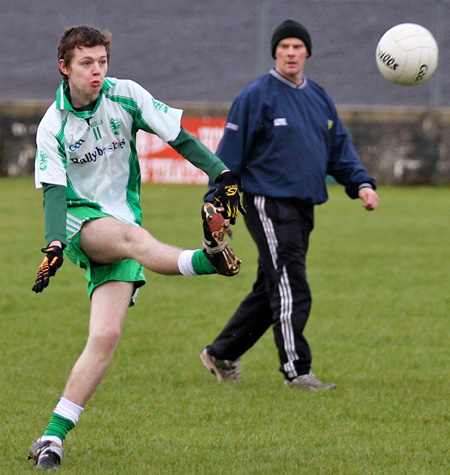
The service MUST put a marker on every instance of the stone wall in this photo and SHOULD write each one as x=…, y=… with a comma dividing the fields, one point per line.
x=400, y=146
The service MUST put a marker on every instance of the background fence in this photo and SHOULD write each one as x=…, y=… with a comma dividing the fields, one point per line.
x=197, y=54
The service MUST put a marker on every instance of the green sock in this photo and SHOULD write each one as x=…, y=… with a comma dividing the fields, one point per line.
x=59, y=426
x=201, y=264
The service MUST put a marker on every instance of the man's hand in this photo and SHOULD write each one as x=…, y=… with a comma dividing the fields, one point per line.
x=227, y=196
x=369, y=197
x=51, y=263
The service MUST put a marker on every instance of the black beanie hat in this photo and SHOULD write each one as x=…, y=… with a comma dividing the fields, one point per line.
x=290, y=29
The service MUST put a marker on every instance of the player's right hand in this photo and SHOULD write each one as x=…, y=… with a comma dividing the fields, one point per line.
x=227, y=196
x=51, y=263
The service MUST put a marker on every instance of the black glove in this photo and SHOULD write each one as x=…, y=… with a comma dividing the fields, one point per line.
x=227, y=196
x=51, y=263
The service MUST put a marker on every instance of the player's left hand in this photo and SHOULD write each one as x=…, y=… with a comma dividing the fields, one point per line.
x=227, y=196
x=51, y=263
x=369, y=197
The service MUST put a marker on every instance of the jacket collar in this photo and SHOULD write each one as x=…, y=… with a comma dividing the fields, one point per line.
x=291, y=84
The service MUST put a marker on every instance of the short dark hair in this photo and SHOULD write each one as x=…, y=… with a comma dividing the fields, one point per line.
x=79, y=36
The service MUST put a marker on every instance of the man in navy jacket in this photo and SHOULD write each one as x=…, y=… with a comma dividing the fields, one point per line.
x=283, y=137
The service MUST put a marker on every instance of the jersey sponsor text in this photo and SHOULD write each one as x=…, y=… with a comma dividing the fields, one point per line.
x=98, y=152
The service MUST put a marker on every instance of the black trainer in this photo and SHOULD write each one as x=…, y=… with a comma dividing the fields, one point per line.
x=215, y=246
x=47, y=454
x=214, y=225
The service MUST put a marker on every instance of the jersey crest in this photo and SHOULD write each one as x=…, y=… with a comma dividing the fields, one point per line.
x=115, y=126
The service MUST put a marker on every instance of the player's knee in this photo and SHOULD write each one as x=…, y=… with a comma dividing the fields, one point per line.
x=105, y=340
x=136, y=236
x=138, y=241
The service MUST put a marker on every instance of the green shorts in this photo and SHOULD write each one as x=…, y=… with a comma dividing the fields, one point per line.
x=127, y=270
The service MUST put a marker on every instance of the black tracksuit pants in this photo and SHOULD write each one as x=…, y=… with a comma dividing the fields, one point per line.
x=280, y=296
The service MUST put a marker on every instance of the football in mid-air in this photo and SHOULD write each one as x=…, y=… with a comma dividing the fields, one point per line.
x=407, y=54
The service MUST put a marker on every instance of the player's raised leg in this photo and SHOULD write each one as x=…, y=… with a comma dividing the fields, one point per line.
x=107, y=240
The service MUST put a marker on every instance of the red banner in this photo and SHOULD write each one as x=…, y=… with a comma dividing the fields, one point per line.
x=160, y=163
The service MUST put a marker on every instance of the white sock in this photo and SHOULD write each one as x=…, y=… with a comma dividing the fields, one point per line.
x=185, y=263
x=68, y=409
x=51, y=438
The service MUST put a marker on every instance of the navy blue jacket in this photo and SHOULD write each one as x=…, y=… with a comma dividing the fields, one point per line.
x=284, y=139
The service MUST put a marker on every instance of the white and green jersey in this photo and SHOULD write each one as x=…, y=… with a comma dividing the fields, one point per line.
x=93, y=153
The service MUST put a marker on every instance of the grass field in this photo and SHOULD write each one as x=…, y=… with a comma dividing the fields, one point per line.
x=379, y=329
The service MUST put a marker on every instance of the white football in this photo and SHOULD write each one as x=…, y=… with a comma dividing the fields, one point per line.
x=407, y=54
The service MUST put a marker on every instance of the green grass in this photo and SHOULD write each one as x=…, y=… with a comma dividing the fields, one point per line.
x=379, y=329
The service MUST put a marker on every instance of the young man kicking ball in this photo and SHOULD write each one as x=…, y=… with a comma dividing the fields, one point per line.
x=87, y=165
